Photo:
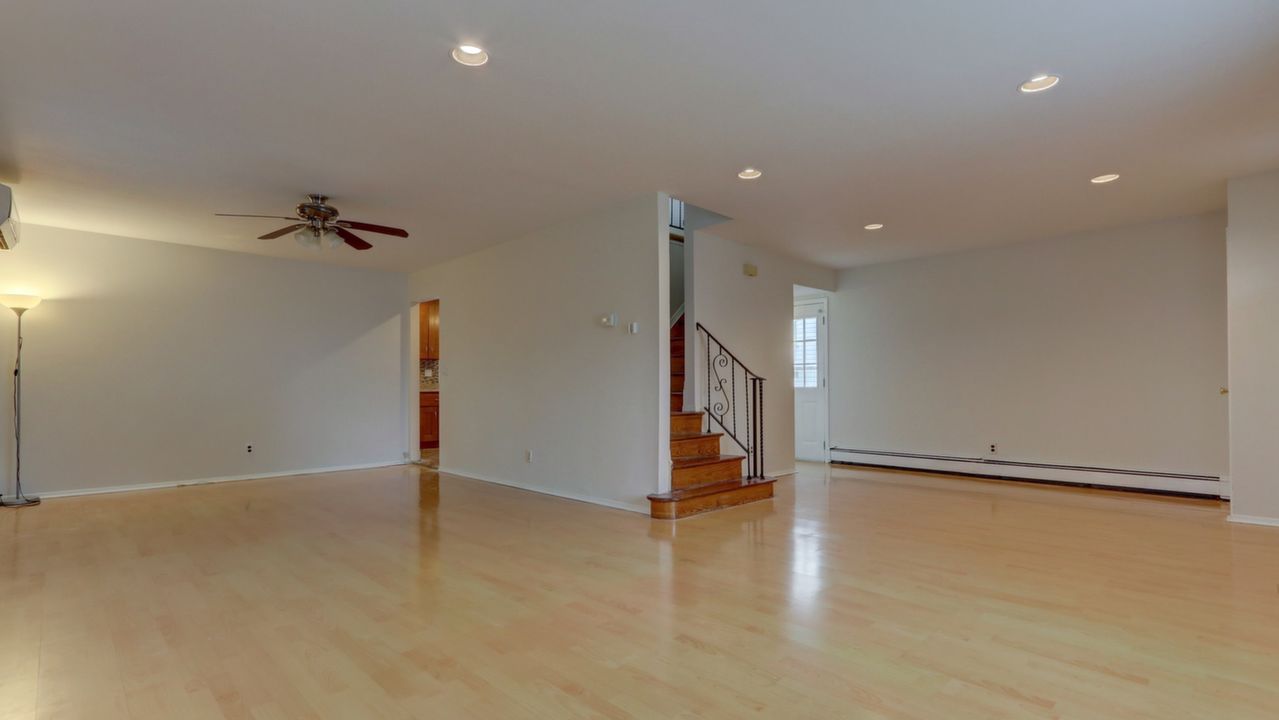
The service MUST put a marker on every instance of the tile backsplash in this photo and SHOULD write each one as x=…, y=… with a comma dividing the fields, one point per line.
x=428, y=374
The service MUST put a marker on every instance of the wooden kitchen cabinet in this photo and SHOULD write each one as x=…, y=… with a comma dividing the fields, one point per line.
x=429, y=419
x=429, y=343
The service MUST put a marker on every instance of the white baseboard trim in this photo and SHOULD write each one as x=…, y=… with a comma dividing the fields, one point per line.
x=615, y=504
x=780, y=474
x=1205, y=485
x=1253, y=520
x=209, y=480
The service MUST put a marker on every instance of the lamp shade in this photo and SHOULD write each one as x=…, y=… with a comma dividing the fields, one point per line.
x=20, y=303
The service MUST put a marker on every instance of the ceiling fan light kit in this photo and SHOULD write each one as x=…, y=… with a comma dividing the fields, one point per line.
x=313, y=240
x=320, y=225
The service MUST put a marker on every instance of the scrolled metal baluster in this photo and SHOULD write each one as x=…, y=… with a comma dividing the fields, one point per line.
x=722, y=401
x=760, y=414
x=710, y=386
x=720, y=407
x=750, y=457
x=732, y=374
x=755, y=445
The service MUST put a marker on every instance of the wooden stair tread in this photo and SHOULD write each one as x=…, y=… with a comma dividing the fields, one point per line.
x=699, y=460
x=709, y=489
x=686, y=413
x=694, y=435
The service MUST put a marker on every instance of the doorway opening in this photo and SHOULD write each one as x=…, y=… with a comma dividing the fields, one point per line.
x=429, y=382
x=809, y=354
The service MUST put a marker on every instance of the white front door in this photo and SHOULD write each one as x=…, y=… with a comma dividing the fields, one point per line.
x=809, y=356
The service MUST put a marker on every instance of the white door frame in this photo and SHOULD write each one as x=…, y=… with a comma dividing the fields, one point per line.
x=412, y=440
x=413, y=383
x=823, y=365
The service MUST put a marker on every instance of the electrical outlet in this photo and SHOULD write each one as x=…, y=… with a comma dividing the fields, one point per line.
x=248, y=448
x=528, y=456
x=994, y=449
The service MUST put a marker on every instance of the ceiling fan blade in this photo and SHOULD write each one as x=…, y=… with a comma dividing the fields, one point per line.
x=369, y=227
x=352, y=239
x=273, y=217
x=282, y=232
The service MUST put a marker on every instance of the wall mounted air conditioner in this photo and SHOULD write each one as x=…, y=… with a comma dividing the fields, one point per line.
x=9, y=226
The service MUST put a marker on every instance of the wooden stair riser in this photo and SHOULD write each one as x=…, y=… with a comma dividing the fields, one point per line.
x=677, y=346
x=726, y=469
x=690, y=423
x=677, y=382
x=677, y=401
x=695, y=447
x=673, y=510
x=677, y=365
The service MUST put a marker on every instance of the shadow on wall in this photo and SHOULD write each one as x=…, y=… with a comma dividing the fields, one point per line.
x=161, y=362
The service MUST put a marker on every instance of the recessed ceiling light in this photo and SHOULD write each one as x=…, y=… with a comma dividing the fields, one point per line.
x=1040, y=83
x=472, y=55
x=1103, y=179
x=749, y=173
x=875, y=226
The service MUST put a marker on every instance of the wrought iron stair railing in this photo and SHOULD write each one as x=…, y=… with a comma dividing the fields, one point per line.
x=734, y=400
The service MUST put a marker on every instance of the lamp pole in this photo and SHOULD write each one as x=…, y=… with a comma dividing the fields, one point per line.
x=18, y=499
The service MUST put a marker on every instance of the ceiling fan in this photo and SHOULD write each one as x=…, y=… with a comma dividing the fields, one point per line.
x=320, y=225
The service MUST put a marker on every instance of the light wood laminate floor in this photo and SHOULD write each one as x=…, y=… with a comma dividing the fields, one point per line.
x=398, y=593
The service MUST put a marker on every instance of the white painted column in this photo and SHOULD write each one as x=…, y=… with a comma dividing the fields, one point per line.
x=1252, y=278
x=692, y=377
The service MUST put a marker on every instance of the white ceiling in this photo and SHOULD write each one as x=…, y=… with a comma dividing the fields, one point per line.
x=142, y=118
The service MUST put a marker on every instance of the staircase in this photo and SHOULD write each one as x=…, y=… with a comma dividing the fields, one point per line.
x=701, y=478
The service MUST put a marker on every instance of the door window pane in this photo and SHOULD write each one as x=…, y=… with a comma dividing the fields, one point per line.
x=804, y=355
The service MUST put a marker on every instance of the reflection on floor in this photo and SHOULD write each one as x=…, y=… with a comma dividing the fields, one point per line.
x=400, y=593
x=431, y=457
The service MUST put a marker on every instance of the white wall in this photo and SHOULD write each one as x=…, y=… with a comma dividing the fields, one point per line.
x=677, y=274
x=1253, y=251
x=525, y=366
x=1105, y=349
x=752, y=317
x=156, y=363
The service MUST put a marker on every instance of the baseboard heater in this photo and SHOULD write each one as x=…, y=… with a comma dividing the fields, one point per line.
x=1076, y=475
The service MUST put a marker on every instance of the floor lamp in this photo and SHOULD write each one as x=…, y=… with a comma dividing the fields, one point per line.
x=19, y=304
